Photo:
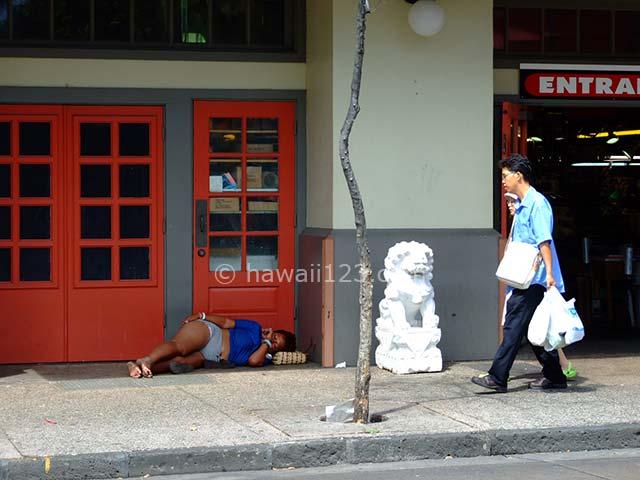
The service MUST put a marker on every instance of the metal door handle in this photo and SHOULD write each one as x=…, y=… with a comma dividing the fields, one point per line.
x=202, y=228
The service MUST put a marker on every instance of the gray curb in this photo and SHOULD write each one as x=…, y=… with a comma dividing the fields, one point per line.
x=315, y=453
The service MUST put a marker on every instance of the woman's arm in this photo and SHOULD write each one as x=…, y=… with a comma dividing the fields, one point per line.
x=258, y=357
x=222, y=322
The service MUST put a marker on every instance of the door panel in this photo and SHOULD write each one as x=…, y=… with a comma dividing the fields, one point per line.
x=244, y=224
x=116, y=297
x=31, y=296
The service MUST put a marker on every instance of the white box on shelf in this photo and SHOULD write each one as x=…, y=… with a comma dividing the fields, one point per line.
x=215, y=183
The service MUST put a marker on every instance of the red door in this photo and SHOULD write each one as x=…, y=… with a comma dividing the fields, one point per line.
x=81, y=242
x=32, y=327
x=244, y=221
x=514, y=140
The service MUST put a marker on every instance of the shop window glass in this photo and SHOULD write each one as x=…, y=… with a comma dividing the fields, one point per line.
x=151, y=20
x=134, y=181
x=267, y=22
x=524, y=30
x=71, y=20
x=112, y=20
x=134, y=222
x=5, y=264
x=35, y=264
x=134, y=139
x=35, y=180
x=5, y=223
x=5, y=138
x=95, y=139
x=95, y=181
x=225, y=254
x=35, y=223
x=225, y=214
x=225, y=135
x=95, y=222
x=262, y=214
x=627, y=28
x=35, y=138
x=95, y=263
x=4, y=19
x=5, y=180
x=499, y=26
x=595, y=31
x=229, y=24
x=190, y=23
x=262, y=253
x=31, y=19
x=560, y=30
x=262, y=135
x=134, y=263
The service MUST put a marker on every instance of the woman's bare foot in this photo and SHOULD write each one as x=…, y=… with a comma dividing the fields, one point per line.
x=145, y=366
x=134, y=370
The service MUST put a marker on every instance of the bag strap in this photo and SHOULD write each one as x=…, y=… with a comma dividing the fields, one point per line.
x=511, y=231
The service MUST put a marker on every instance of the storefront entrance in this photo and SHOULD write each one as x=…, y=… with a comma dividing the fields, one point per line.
x=244, y=210
x=587, y=163
x=81, y=241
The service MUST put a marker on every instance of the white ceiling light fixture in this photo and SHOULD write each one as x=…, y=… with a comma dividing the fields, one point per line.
x=426, y=17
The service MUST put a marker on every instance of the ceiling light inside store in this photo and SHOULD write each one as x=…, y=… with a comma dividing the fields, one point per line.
x=605, y=164
x=617, y=133
x=534, y=139
x=612, y=140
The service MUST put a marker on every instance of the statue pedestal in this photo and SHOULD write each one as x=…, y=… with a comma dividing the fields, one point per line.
x=410, y=351
x=407, y=328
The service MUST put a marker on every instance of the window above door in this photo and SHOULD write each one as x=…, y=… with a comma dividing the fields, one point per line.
x=565, y=30
x=242, y=30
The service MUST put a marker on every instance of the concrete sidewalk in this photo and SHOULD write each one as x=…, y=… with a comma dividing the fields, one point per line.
x=91, y=421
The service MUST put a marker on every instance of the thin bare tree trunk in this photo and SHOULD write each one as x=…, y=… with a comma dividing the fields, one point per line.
x=363, y=369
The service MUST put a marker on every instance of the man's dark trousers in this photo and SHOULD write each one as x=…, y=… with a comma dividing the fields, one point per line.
x=520, y=308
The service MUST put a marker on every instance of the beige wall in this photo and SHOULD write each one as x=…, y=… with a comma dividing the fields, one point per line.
x=321, y=143
x=422, y=145
x=60, y=72
x=505, y=81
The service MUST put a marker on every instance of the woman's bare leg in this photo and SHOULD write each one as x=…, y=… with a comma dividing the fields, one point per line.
x=564, y=361
x=192, y=337
x=195, y=360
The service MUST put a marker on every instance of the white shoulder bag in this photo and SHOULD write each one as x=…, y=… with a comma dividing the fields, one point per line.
x=519, y=263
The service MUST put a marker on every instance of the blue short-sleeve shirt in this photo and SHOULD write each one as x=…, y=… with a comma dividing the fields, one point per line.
x=244, y=339
x=534, y=225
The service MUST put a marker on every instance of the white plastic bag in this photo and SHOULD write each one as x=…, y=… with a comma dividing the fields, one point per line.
x=565, y=326
x=539, y=325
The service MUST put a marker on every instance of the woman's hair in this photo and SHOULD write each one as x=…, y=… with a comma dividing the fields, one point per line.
x=289, y=341
x=518, y=163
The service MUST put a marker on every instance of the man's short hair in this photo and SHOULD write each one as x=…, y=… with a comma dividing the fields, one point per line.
x=518, y=163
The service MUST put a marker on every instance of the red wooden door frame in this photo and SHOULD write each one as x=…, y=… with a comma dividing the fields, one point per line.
x=266, y=296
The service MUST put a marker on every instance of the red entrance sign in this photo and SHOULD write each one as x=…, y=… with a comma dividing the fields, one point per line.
x=585, y=84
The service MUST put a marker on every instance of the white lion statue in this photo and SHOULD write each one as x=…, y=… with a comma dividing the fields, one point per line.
x=407, y=328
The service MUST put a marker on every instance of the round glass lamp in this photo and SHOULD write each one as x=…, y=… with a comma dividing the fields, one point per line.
x=426, y=17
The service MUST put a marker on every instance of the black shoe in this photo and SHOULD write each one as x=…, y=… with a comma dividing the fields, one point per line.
x=546, y=384
x=488, y=382
x=177, y=367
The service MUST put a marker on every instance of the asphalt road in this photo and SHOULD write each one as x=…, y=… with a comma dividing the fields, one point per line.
x=603, y=464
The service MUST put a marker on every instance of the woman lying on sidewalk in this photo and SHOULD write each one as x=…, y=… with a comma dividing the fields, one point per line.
x=216, y=339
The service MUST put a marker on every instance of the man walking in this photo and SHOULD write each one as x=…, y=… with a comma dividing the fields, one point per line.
x=533, y=224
